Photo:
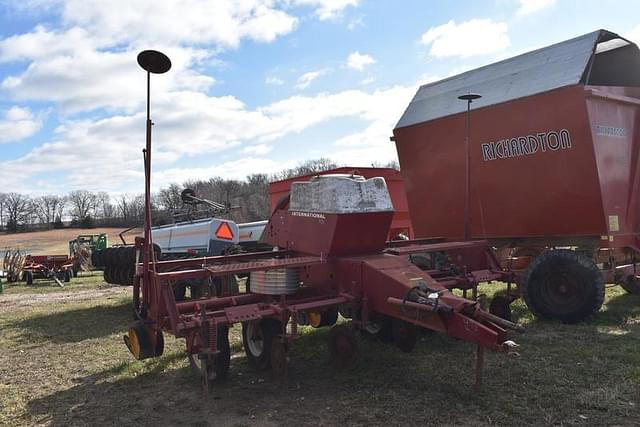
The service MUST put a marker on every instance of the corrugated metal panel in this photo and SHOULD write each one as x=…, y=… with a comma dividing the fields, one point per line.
x=541, y=70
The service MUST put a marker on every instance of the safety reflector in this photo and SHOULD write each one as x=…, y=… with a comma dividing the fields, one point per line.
x=224, y=232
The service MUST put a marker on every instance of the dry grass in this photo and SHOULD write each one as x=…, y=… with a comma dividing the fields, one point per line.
x=63, y=363
x=53, y=242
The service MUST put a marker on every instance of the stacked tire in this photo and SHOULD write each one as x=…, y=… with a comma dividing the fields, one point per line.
x=118, y=263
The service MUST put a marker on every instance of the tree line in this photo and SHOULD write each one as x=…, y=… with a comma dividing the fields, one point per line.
x=248, y=199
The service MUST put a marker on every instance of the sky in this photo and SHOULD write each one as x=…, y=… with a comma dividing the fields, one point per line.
x=256, y=86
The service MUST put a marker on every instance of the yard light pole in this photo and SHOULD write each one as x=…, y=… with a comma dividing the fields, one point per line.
x=469, y=97
x=154, y=62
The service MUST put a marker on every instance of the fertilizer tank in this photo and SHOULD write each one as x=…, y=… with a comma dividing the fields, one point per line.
x=554, y=145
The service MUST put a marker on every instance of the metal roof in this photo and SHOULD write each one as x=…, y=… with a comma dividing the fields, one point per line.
x=562, y=64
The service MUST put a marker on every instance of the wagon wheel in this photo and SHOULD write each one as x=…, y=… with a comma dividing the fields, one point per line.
x=563, y=285
x=257, y=338
x=215, y=368
x=279, y=358
x=343, y=347
x=405, y=335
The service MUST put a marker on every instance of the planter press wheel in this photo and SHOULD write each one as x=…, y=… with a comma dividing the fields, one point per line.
x=258, y=338
x=343, y=347
x=501, y=306
x=216, y=368
x=378, y=327
x=279, y=356
x=405, y=335
x=631, y=285
x=563, y=285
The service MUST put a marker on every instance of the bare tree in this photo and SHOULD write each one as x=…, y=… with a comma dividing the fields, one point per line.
x=306, y=168
x=104, y=208
x=3, y=198
x=392, y=164
x=18, y=209
x=169, y=198
x=46, y=208
x=83, y=203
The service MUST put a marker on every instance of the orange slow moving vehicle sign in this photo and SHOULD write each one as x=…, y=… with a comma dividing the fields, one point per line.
x=224, y=232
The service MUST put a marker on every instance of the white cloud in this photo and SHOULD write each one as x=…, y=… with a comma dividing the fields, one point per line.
x=367, y=81
x=258, y=149
x=528, y=7
x=85, y=78
x=357, y=61
x=18, y=123
x=634, y=35
x=222, y=22
x=470, y=38
x=355, y=23
x=106, y=153
x=274, y=81
x=328, y=9
x=307, y=78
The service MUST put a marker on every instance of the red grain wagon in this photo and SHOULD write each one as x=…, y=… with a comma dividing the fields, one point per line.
x=553, y=173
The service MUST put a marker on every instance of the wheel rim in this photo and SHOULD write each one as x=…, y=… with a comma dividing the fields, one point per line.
x=564, y=292
x=255, y=339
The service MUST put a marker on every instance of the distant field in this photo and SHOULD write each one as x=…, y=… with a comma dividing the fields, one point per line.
x=54, y=242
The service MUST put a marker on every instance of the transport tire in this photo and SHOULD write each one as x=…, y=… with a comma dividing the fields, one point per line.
x=257, y=338
x=67, y=275
x=563, y=285
x=631, y=285
x=28, y=277
x=219, y=369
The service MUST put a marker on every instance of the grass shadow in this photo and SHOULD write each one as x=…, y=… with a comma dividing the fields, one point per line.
x=74, y=325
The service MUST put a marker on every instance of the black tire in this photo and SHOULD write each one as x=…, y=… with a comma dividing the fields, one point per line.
x=379, y=328
x=631, y=285
x=563, y=285
x=67, y=275
x=220, y=368
x=28, y=277
x=106, y=274
x=260, y=355
x=329, y=317
x=179, y=291
x=95, y=258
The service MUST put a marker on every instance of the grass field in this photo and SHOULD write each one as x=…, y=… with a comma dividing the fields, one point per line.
x=62, y=362
x=54, y=242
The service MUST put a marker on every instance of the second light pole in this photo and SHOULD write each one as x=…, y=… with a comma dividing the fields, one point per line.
x=469, y=97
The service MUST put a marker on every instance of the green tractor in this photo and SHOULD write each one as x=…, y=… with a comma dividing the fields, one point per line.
x=89, y=241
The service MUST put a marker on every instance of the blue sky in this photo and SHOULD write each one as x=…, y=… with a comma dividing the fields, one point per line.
x=256, y=85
